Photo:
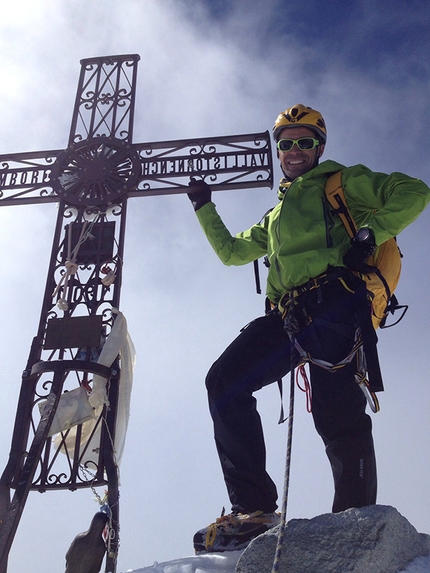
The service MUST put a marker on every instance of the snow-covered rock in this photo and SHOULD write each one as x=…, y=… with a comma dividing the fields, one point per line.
x=375, y=539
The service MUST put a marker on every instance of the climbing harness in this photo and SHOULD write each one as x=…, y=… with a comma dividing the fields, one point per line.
x=293, y=322
x=360, y=375
x=296, y=317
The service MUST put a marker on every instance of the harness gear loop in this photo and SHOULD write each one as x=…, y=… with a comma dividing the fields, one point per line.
x=307, y=357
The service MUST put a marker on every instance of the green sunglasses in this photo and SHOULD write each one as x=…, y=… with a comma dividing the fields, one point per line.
x=304, y=143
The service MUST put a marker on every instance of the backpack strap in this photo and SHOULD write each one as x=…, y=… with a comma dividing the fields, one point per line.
x=336, y=197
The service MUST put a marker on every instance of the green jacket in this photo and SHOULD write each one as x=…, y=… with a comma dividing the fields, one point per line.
x=301, y=236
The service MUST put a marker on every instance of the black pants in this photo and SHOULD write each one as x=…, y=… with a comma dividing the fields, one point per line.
x=259, y=356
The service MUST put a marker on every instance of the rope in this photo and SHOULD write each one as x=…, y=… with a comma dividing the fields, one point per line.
x=283, y=523
x=291, y=326
x=71, y=269
x=70, y=264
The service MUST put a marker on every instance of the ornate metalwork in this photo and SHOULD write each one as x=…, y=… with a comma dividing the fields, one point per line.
x=87, y=289
x=102, y=170
x=85, y=173
x=96, y=172
x=25, y=178
x=71, y=458
x=104, y=105
x=231, y=162
x=92, y=179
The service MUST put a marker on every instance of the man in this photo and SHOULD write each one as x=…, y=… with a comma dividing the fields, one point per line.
x=318, y=304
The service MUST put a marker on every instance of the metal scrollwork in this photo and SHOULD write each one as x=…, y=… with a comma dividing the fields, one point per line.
x=96, y=172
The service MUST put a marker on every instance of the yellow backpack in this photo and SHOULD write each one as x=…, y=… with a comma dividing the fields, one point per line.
x=386, y=259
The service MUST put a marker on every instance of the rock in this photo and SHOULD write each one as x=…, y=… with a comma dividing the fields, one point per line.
x=374, y=539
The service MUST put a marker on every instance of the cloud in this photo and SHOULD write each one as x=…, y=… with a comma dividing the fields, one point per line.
x=209, y=69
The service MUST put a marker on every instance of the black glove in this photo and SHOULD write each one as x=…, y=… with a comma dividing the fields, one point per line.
x=362, y=247
x=200, y=193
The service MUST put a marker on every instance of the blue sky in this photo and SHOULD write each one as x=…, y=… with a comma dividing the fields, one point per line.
x=213, y=68
x=387, y=40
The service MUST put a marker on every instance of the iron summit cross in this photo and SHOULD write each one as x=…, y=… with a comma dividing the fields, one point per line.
x=58, y=442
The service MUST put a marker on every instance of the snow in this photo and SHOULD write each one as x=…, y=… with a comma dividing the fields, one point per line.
x=211, y=563
x=226, y=563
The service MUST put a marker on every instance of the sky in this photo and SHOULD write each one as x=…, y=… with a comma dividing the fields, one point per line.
x=212, y=68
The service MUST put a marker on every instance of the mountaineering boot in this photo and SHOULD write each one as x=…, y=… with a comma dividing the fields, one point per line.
x=233, y=532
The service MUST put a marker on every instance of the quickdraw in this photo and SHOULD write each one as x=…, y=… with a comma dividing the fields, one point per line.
x=360, y=376
x=288, y=308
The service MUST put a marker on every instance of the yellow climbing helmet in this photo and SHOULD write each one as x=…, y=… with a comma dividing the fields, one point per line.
x=300, y=115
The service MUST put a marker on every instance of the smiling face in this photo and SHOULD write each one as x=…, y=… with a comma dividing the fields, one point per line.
x=297, y=161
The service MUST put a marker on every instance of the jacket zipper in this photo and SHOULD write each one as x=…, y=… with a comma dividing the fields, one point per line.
x=278, y=238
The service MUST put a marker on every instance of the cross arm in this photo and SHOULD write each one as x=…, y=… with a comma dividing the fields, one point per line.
x=101, y=170
x=226, y=162
x=25, y=178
